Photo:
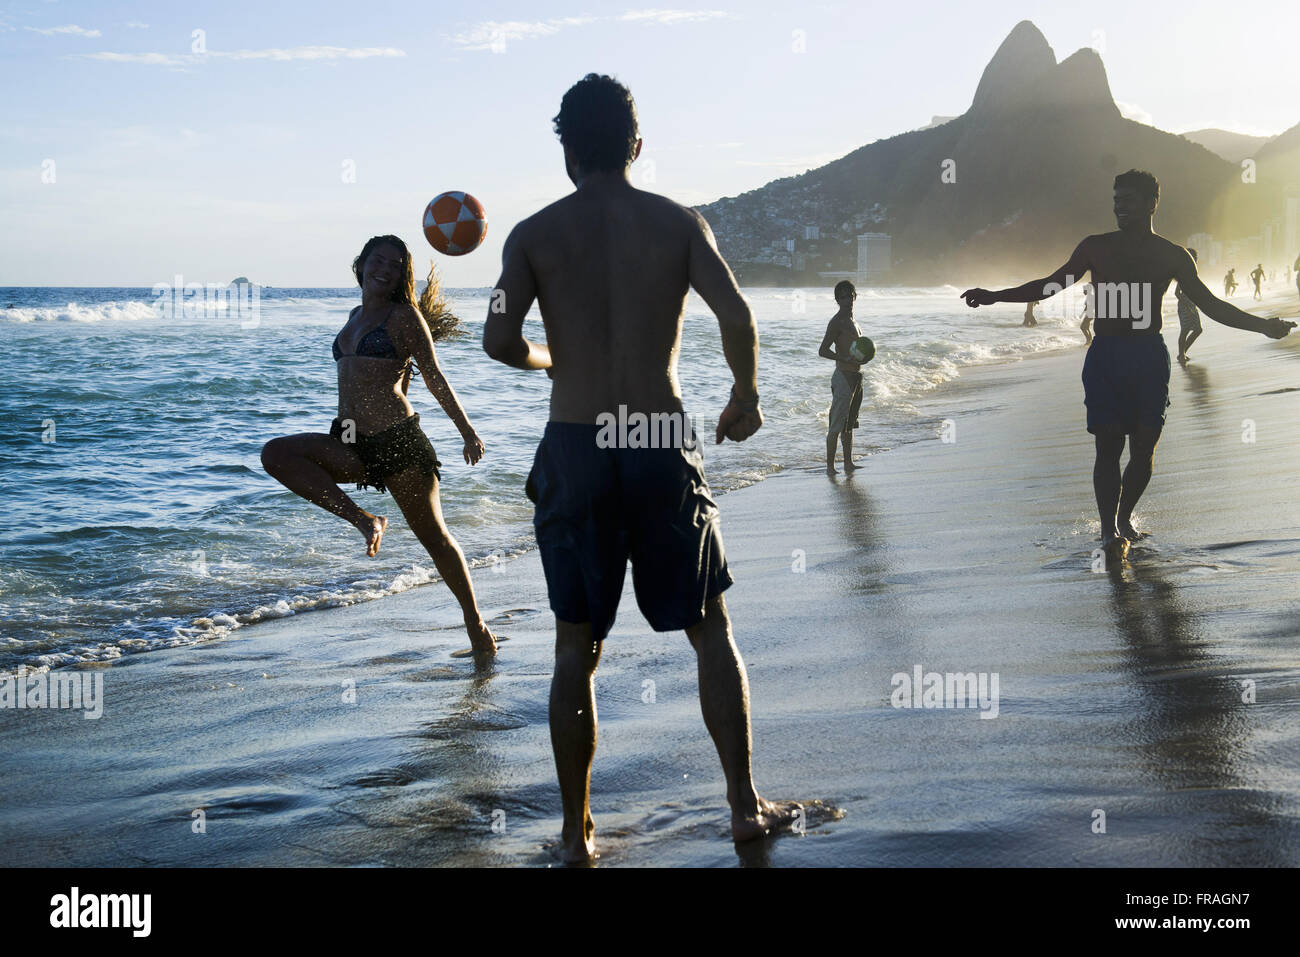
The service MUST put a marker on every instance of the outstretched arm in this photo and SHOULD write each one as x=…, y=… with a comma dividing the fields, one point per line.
x=1039, y=289
x=711, y=277
x=1220, y=311
x=503, y=332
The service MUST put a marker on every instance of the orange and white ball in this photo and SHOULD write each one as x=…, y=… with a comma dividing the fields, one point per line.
x=454, y=223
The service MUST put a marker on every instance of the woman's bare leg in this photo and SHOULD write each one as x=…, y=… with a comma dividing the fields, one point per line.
x=312, y=464
x=417, y=496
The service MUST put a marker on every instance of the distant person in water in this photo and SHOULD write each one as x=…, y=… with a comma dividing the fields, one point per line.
x=1126, y=372
x=1189, y=318
x=376, y=441
x=611, y=266
x=1257, y=274
x=846, y=380
x=1029, y=315
x=1230, y=283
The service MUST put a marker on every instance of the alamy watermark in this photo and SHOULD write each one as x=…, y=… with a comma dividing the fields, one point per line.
x=1131, y=301
x=639, y=430
x=931, y=689
x=61, y=689
x=195, y=300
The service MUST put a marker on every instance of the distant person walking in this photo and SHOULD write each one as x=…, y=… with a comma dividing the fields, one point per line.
x=1030, y=321
x=1086, y=325
x=1189, y=318
x=1230, y=283
x=1257, y=274
x=1296, y=267
x=846, y=380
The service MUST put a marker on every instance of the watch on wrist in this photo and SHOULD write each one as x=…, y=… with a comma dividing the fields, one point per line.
x=746, y=405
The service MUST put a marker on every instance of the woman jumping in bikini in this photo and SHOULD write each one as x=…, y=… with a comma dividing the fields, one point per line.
x=376, y=441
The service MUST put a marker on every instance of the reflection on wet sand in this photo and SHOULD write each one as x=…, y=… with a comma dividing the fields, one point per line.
x=1190, y=726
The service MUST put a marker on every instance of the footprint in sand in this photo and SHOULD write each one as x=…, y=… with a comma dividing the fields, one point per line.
x=389, y=777
x=514, y=614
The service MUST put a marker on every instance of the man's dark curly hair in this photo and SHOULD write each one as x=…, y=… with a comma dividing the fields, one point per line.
x=597, y=120
x=1142, y=182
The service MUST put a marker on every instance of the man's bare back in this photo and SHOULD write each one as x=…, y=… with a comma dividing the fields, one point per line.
x=613, y=324
x=610, y=266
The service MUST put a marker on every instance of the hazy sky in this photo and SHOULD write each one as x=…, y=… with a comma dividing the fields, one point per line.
x=167, y=161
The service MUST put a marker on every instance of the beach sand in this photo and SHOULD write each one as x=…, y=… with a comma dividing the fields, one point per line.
x=1120, y=691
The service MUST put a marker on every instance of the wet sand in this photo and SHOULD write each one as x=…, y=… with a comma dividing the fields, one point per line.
x=1119, y=690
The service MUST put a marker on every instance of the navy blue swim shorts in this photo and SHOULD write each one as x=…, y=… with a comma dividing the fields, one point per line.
x=1126, y=382
x=596, y=508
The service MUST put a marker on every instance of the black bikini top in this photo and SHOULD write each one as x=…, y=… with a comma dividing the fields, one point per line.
x=375, y=344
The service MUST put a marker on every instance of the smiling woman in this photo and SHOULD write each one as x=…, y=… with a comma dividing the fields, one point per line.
x=376, y=440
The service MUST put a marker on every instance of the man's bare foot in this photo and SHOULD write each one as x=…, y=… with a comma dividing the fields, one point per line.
x=372, y=528
x=1182, y=359
x=481, y=639
x=849, y=468
x=578, y=848
x=1115, y=547
x=831, y=470
x=482, y=643
x=771, y=817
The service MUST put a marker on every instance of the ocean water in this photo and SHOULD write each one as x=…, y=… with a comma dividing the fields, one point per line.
x=140, y=517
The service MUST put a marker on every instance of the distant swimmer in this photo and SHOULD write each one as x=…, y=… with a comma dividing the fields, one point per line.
x=611, y=265
x=1126, y=372
x=376, y=441
x=846, y=380
x=1189, y=318
x=1029, y=315
x=1257, y=274
x=1230, y=283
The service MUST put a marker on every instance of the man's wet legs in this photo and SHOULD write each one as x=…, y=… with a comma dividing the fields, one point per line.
x=1106, y=484
x=724, y=700
x=1141, y=462
x=573, y=734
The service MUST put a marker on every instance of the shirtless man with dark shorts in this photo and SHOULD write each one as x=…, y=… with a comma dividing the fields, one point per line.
x=610, y=267
x=1126, y=372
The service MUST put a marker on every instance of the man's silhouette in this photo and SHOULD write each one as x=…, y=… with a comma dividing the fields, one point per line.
x=1257, y=274
x=846, y=381
x=1126, y=372
x=610, y=267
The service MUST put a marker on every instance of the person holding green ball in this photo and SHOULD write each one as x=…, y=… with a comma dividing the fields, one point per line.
x=843, y=333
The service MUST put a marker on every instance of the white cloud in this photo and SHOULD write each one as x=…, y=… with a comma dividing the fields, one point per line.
x=673, y=16
x=311, y=53
x=1131, y=111
x=490, y=34
x=275, y=53
x=71, y=30
x=494, y=35
x=136, y=25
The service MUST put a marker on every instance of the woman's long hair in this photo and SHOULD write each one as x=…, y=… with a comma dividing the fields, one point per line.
x=432, y=305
